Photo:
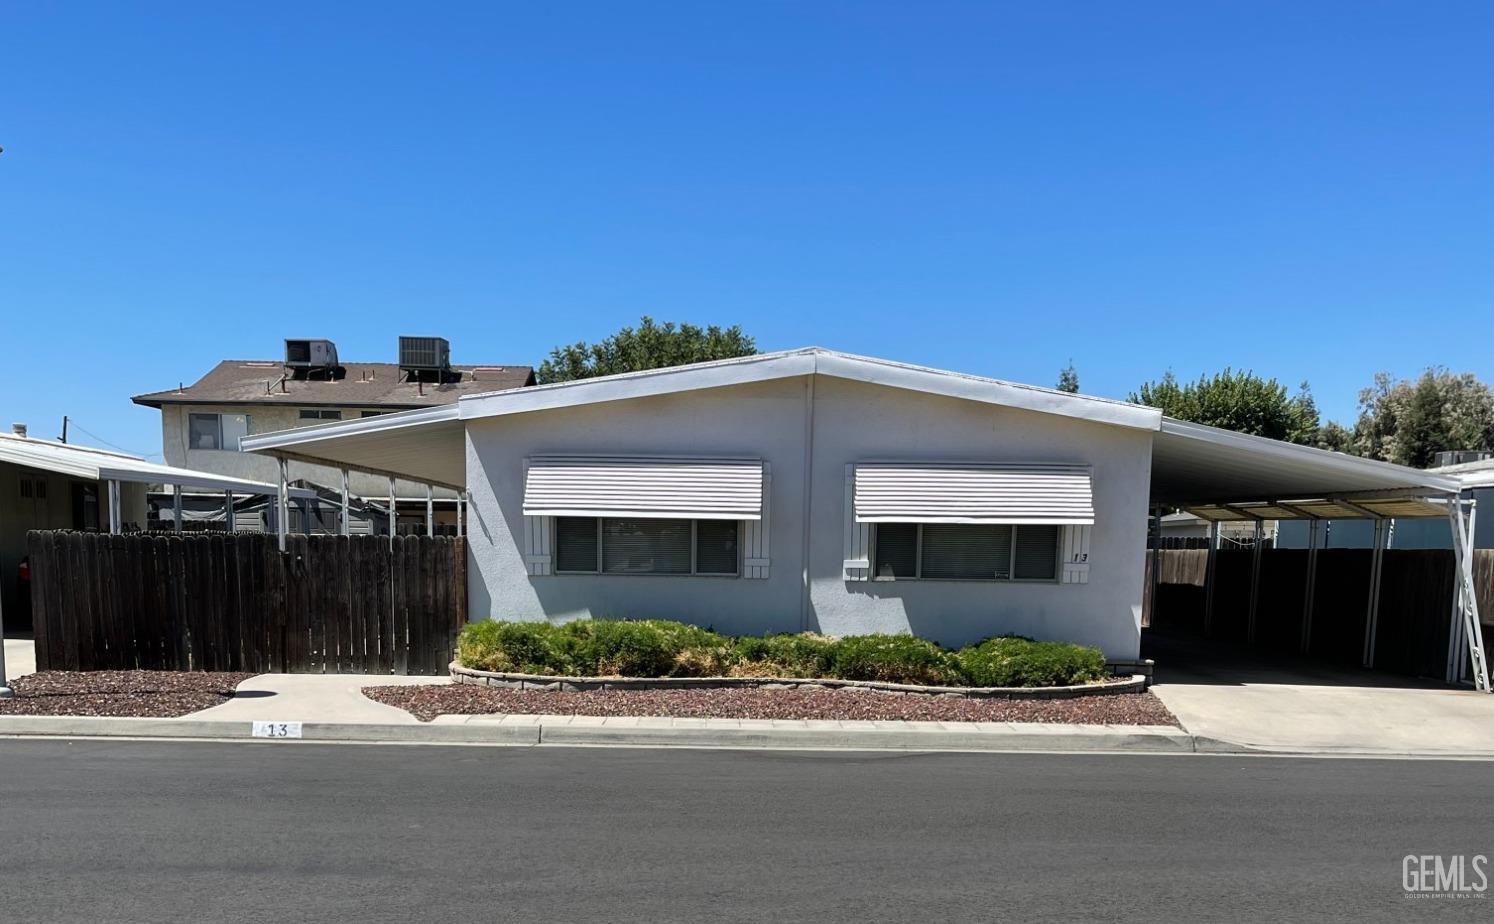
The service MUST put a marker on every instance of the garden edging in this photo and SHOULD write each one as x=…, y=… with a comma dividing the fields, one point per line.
x=459, y=674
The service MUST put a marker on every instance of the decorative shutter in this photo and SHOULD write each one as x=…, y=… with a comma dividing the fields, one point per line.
x=857, y=564
x=755, y=557
x=539, y=544
x=1075, y=546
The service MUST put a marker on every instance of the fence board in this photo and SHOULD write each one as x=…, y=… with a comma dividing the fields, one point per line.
x=217, y=601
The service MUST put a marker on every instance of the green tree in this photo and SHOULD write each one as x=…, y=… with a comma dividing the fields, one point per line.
x=1068, y=379
x=1409, y=422
x=649, y=346
x=1240, y=401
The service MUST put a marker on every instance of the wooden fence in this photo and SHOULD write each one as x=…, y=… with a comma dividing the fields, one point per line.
x=235, y=602
x=1411, y=632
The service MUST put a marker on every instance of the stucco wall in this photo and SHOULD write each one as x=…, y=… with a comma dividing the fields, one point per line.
x=852, y=422
x=258, y=467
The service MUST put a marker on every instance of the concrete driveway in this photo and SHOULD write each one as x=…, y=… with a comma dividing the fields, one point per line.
x=1283, y=703
x=20, y=657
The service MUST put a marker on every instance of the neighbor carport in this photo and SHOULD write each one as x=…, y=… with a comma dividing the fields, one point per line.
x=1224, y=476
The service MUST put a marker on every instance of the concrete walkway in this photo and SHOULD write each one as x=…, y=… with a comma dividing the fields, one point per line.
x=325, y=698
x=1287, y=704
x=20, y=657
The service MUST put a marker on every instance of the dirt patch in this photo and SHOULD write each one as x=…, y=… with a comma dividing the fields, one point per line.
x=148, y=694
x=427, y=702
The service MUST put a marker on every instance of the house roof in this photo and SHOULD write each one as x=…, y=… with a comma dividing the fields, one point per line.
x=1191, y=464
x=262, y=382
x=102, y=465
x=1472, y=474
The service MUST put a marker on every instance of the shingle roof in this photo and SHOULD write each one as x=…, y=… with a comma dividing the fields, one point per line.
x=247, y=381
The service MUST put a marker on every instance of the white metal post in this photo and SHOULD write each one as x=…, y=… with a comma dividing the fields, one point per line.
x=114, y=509
x=1372, y=612
x=1214, y=538
x=461, y=502
x=282, y=506
x=176, y=508
x=1310, y=588
x=1156, y=563
x=393, y=519
x=430, y=512
x=5, y=691
x=345, y=530
x=1462, y=534
x=1255, y=581
x=228, y=509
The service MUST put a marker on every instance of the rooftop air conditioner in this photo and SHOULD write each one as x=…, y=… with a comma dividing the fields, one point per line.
x=424, y=354
x=310, y=354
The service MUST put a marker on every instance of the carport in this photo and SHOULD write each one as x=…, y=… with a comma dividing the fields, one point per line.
x=1222, y=476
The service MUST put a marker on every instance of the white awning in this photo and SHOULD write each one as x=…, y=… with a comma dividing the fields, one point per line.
x=652, y=488
x=963, y=492
x=93, y=464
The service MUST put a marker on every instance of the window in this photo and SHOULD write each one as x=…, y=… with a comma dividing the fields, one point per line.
x=26, y=490
x=216, y=431
x=965, y=552
x=589, y=545
x=373, y=413
x=316, y=414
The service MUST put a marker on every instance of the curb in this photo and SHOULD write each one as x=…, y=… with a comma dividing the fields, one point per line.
x=644, y=732
x=1137, y=683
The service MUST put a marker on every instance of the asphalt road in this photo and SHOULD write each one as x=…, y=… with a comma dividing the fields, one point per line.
x=282, y=831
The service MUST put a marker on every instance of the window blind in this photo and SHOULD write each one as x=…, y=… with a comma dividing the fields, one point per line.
x=716, y=547
x=646, y=546
x=575, y=544
x=896, y=548
x=1036, y=557
x=966, y=552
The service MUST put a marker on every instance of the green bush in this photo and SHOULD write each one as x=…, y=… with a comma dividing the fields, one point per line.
x=893, y=659
x=521, y=647
x=802, y=655
x=660, y=648
x=1013, y=661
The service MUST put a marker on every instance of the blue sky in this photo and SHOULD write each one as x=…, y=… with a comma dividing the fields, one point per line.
x=1303, y=189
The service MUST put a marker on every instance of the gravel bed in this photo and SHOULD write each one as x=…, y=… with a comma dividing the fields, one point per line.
x=427, y=702
x=149, y=694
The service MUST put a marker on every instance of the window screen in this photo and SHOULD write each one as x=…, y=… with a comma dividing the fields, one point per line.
x=575, y=544
x=646, y=546
x=966, y=551
x=204, y=432
x=716, y=547
x=896, y=550
x=315, y=414
x=1036, y=557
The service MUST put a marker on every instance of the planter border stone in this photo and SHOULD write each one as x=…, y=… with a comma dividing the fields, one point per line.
x=1136, y=683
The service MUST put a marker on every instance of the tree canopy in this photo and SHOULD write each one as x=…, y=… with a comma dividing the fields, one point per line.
x=1239, y=401
x=648, y=346
x=1068, y=379
x=1408, y=422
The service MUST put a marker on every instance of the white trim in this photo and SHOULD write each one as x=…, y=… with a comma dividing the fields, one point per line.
x=809, y=361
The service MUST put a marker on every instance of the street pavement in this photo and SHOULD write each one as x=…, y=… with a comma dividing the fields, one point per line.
x=126, y=831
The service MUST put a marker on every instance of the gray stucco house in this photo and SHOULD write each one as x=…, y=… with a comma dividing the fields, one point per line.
x=814, y=490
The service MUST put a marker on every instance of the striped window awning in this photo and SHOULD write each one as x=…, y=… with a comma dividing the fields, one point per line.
x=641, y=487
x=964, y=492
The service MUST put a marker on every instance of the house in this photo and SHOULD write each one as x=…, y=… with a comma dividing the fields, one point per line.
x=202, y=424
x=46, y=484
x=816, y=490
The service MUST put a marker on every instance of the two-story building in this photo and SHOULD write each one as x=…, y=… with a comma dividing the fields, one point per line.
x=202, y=423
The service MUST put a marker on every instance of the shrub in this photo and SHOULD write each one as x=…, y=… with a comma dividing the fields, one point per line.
x=1013, y=661
x=892, y=658
x=802, y=655
x=522, y=647
x=642, y=648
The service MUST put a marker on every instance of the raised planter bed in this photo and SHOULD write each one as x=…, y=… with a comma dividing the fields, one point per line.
x=1136, y=683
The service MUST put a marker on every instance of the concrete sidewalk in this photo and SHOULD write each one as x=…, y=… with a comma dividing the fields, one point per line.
x=20, y=657
x=320, y=698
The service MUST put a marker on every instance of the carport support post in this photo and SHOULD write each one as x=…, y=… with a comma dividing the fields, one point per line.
x=344, y=530
x=461, y=502
x=1214, y=537
x=430, y=512
x=176, y=508
x=1462, y=536
x=1156, y=580
x=282, y=505
x=393, y=521
x=1255, y=580
x=1372, y=612
x=114, y=511
x=228, y=509
x=1310, y=589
